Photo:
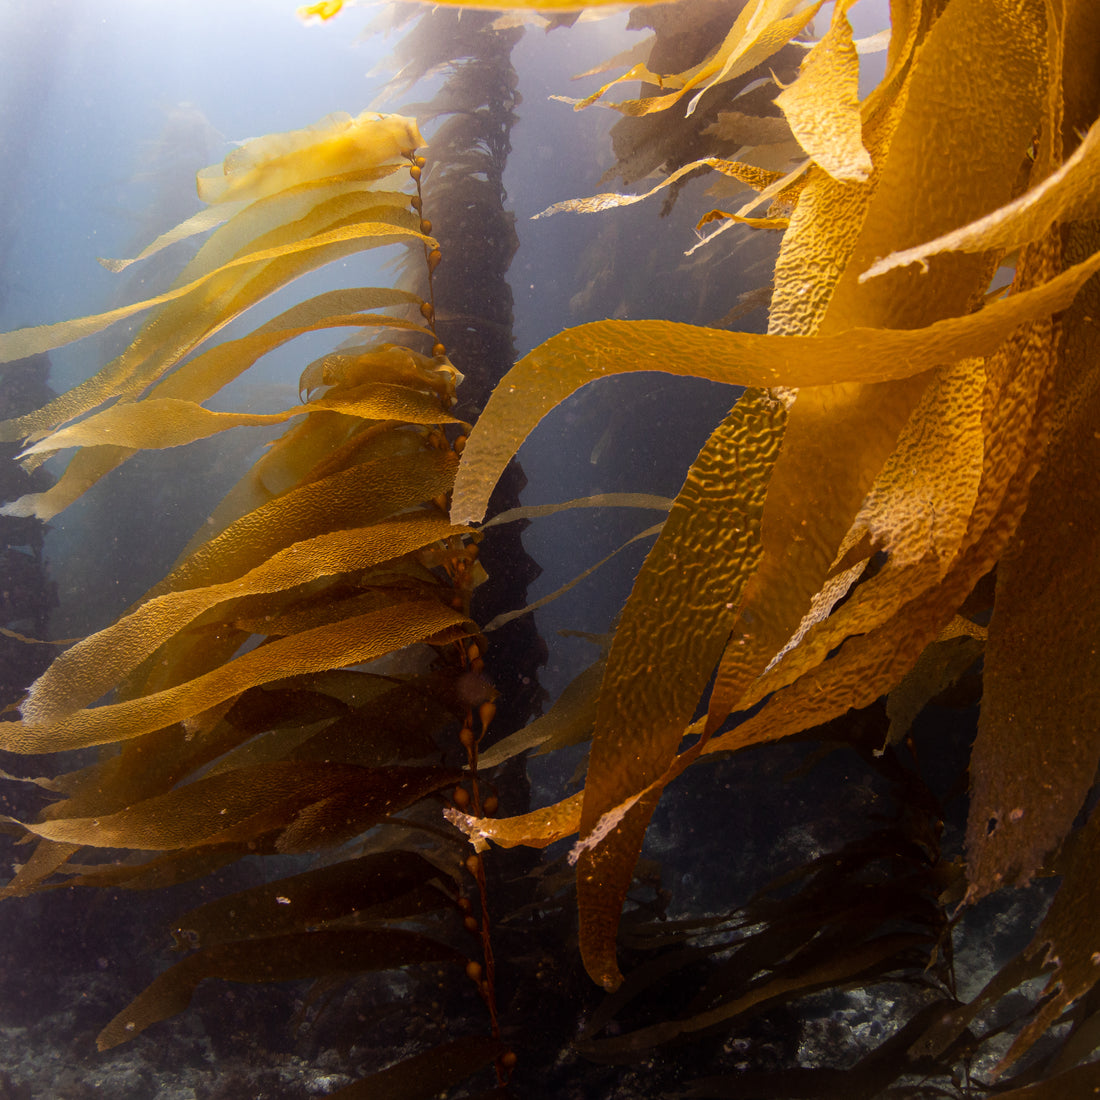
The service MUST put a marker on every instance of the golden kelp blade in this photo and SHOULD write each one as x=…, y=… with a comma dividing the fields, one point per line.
x=313, y=219
x=80, y=675
x=671, y=633
x=751, y=176
x=762, y=28
x=822, y=105
x=546, y=376
x=1069, y=194
x=158, y=423
x=360, y=639
x=536, y=829
x=336, y=145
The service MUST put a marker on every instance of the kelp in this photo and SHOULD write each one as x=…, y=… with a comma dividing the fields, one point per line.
x=925, y=425
x=234, y=731
x=901, y=487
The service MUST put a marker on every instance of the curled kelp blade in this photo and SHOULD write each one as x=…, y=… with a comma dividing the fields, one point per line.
x=545, y=377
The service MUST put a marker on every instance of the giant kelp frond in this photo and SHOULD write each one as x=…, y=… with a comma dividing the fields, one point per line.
x=238, y=726
x=920, y=424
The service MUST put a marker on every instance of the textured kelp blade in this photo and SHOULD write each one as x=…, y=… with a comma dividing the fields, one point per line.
x=815, y=493
x=296, y=903
x=817, y=490
x=546, y=376
x=246, y=803
x=427, y=1075
x=980, y=143
x=670, y=635
x=1038, y=740
x=917, y=513
x=354, y=641
x=1068, y=194
x=870, y=665
x=822, y=105
x=80, y=675
x=283, y=958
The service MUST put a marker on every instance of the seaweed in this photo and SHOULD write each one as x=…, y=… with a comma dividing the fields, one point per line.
x=900, y=489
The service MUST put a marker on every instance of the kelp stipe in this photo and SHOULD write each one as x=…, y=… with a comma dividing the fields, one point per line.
x=239, y=693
